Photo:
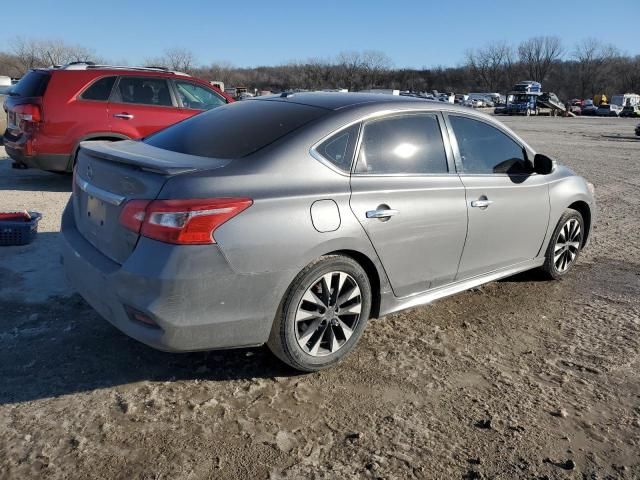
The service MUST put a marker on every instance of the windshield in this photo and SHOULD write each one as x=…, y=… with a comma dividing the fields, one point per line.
x=617, y=100
x=235, y=130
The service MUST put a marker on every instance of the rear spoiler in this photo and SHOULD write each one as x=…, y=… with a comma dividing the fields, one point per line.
x=149, y=158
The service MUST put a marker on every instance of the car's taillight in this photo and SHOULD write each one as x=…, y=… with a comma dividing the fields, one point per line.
x=189, y=222
x=133, y=214
x=27, y=114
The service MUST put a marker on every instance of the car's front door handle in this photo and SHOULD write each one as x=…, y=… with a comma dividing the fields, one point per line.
x=126, y=116
x=382, y=213
x=481, y=203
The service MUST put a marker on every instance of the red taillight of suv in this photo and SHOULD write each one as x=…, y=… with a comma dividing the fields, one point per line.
x=27, y=116
x=182, y=222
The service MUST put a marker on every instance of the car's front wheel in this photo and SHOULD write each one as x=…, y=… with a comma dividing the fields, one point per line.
x=323, y=314
x=565, y=244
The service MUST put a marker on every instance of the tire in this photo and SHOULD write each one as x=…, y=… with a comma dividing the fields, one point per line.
x=528, y=114
x=324, y=338
x=560, y=259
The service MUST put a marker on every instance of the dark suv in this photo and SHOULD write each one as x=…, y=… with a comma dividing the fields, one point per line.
x=50, y=111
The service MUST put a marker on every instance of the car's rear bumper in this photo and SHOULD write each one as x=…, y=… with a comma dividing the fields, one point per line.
x=17, y=150
x=191, y=292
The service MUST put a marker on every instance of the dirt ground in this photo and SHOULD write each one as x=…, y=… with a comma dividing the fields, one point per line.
x=521, y=378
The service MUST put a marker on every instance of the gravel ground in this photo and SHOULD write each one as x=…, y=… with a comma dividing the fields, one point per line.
x=521, y=378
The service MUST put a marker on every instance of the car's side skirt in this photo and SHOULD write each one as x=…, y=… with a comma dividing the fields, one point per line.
x=392, y=304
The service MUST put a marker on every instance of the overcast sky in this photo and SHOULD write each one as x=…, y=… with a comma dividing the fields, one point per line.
x=251, y=33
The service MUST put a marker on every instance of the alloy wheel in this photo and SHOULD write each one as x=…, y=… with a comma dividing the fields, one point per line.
x=567, y=245
x=328, y=313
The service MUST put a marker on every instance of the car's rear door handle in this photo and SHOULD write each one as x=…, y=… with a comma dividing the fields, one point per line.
x=382, y=213
x=481, y=203
x=126, y=116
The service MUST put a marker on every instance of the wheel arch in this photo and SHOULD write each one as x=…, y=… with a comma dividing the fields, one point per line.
x=585, y=211
x=372, y=273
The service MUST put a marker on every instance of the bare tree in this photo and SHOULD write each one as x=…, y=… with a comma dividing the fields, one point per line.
x=350, y=65
x=538, y=54
x=27, y=53
x=33, y=53
x=490, y=64
x=374, y=63
x=179, y=59
x=593, y=59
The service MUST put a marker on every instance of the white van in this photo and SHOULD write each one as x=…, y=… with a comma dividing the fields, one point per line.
x=625, y=100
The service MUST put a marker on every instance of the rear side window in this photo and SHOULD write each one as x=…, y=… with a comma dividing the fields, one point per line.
x=485, y=149
x=145, y=91
x=339, y=148
x=408, y=144
x=235, y=130
x=99, y=90
x=33, y=84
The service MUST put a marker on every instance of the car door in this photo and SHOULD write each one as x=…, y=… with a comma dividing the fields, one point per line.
x=194, y=98
x=508, y=204
x=409, y=200
x=142, y=105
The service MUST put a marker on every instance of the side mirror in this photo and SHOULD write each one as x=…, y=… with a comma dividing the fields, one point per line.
x=542, y=164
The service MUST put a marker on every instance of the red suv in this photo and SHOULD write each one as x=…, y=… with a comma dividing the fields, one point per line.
x=50, y=111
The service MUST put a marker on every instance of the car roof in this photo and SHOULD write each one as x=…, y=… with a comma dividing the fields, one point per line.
x=337, y=100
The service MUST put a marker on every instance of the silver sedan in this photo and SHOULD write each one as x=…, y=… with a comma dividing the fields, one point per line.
x=292, y=219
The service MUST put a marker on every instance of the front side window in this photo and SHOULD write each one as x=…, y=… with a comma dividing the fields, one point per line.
x=145, y=91
x=485, y=149
x=99, y=90
x=403, y=144
x=198, y=97
x=338, y=148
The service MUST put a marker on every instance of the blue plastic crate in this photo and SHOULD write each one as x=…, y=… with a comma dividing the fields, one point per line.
x=14, y=232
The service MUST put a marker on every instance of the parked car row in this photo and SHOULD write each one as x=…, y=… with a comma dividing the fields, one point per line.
x=623, y=105
x=50, y=111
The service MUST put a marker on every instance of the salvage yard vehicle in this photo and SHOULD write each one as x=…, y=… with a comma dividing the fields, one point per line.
x=340, y=207
x=50, y=111
x=630, y=111
x=576, y=106
x=625, y=99
x=609, y=110
x=588, y=108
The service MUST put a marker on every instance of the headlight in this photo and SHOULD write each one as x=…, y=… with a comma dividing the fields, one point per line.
x=591, y=188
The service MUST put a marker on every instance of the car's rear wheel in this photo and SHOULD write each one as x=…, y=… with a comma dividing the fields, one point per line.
x=565, y=245
x=323, y=314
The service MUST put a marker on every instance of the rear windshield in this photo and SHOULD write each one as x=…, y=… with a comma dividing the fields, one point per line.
x=235, y=130
x=33, y=84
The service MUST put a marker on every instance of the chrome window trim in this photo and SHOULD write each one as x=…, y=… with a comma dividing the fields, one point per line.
x=527, y=150
x=99, y=193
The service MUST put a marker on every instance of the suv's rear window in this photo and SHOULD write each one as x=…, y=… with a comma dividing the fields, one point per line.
x=33, y=84
x=236, y=130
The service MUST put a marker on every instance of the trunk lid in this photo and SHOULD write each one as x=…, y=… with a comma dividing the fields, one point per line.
x=108, y=174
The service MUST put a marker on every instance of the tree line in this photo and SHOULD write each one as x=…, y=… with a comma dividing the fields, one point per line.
x=581, y=70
